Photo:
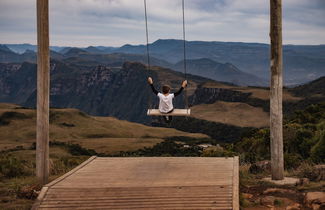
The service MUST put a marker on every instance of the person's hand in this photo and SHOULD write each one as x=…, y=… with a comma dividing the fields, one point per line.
x=150, y=80
x=184, y=84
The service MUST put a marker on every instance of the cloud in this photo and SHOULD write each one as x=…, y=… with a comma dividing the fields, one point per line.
x=117, y=22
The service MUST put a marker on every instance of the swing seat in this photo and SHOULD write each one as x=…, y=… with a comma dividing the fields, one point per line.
x=176, y=112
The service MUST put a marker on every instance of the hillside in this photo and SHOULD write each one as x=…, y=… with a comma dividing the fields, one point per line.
x=124, y=93
x=227, y=72
x=103, y=134
x=315, y=88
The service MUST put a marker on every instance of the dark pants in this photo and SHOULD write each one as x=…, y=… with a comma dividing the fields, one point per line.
x=168, y=119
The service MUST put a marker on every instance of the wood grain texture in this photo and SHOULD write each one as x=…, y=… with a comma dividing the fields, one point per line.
x=276, y=117
x=176, y=112
x=43, y=88
x=146, y=183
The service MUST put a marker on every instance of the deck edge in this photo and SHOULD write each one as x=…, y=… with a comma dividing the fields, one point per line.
x=39, y=198
x=46, y=187
x=64, y=176
x=235, y=184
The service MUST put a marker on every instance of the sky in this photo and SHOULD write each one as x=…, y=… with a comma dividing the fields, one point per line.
x=84, y=23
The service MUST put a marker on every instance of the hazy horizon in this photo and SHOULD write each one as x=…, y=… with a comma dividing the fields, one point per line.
x=136, y=44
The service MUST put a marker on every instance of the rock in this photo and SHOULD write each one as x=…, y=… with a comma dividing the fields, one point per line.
x=315, y=200
x=28, y=192
x=270, y=207
x=295, y=206
x=320, y=171
x=315, y=206
x=247, y=195
x=268, y=200
x=260, y=167
x=303, y=181
x=278, y=190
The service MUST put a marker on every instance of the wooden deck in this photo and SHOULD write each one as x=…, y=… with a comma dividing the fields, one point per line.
x=146, y=183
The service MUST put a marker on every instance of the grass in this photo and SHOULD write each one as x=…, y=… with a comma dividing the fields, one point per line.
x=19, y=192
x=71, y=125
x=115, y=145
x=232, y=113
x=259, y=93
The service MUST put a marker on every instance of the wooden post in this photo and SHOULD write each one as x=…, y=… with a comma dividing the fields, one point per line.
x=43, y=76
x=276, y=131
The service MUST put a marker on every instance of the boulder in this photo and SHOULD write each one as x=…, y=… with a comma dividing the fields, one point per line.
x=315, y=200
x=295, y=206
x=316, y=207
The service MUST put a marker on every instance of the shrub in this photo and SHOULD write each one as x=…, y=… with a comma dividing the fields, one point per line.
x=64, y=164
x=12, y=167
x=7, y=116
x=318, y=150
x=76, y=149
x=292, y=160
x=307, y=170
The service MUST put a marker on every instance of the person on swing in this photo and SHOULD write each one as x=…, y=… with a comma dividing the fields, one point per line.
x=166, y=98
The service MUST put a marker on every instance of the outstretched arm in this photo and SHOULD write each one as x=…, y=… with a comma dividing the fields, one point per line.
x=184, y=84
x=152, y=87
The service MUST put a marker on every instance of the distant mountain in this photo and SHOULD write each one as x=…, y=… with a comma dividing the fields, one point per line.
x=92, y=56
x=21, y=48
x=95, y=50
x=75, y=52
x=106, y=49
x=64, y=50
x=4, y=48
x=220, y=72
x=8, y=56
x=301, y=63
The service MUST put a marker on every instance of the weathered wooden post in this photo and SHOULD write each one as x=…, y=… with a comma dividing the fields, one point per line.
x=43, y=83
x=276, y=131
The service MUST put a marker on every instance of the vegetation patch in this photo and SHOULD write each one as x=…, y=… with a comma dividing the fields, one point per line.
x=304, y=139
x=6, y=117
x=99, y=135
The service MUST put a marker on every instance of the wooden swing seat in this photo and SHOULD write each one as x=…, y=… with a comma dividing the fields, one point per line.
x=176, y=112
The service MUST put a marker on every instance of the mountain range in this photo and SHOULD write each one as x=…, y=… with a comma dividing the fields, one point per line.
x=92, y=56
x=302, y=63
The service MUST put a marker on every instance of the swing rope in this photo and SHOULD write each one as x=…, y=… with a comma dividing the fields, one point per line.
x=184, y=54
x=147, y=41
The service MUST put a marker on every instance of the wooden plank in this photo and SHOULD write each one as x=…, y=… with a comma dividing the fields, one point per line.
x=176, y=112
x=61, y=178
x=43, y=89
x=148, y=207
x=146, y=183
x=40, y=198
x=235, y=184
